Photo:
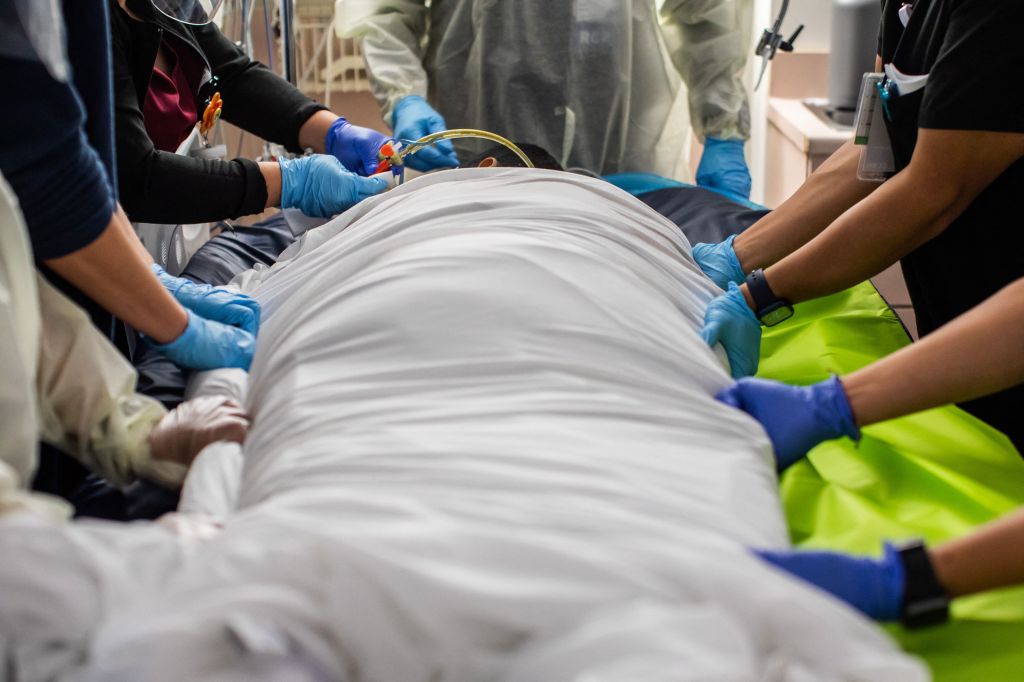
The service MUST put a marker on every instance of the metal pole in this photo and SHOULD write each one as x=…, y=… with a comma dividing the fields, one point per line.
x=288, y=40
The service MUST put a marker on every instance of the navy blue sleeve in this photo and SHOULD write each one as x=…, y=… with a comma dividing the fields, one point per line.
x=87, y=25
x=64, y=190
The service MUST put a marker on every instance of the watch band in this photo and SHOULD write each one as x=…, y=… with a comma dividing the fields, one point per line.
x=759, y=290
x=925, y=602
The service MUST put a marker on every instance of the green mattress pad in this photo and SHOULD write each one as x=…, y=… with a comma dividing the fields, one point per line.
x=936, y=475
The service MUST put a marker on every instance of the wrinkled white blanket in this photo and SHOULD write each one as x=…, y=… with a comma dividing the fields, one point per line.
x=484, y=447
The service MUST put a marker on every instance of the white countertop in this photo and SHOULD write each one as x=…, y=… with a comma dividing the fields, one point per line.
x=803, y=128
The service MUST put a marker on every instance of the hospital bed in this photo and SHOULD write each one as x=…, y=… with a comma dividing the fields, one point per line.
x=935, y=475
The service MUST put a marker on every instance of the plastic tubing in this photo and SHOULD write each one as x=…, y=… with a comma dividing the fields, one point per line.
x=411, y=147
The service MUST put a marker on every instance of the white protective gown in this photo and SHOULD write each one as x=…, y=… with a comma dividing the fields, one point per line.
x=61, y=381
x=591, y=81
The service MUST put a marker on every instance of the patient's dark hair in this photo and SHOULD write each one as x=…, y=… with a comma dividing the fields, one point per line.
x=507, y=158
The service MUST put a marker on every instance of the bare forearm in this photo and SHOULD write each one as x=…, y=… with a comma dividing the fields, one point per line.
x=948, y=170
x=125, y=227
x=313, y=133
x=863, y=241
x=112, y=272
x=986, y=343
x=830, y=191
x=987, y=559
x=272, y=176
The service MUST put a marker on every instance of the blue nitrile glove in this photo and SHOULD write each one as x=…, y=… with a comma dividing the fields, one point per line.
x=719, y=262
x=728, y=320
x=355, y=146
x=206, y=344
x=213, y=303
x=723, y=167
x=320, y=186
x=796, y=418
x=873, y=586
x=413, y=119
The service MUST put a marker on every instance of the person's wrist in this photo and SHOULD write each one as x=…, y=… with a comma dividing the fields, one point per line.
x=893, y=583
x=712, y=141
x=271, y=172
x=734, y=269
x=832, y=396
x=741, y=252
x=403, y=104
x=334, y=135
x=175, y=327
x=313, y=133
x=748, y=299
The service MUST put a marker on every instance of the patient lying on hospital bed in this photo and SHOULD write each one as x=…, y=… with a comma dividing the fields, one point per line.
x=483, y=446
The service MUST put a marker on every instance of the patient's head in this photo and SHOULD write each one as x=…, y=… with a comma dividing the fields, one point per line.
x=500, y=155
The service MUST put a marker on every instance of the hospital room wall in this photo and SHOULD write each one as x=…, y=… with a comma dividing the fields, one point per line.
x=804, y=66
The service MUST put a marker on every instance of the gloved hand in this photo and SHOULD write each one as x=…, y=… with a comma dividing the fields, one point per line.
x=873, y=586
x=194, y=424
x=723, y=167
x=213, y=303
x=719, y=262
x=796, y=418
x=206, y=344
x=728, y=320
x=320, y=186
x=413, y=119
x=356, y=147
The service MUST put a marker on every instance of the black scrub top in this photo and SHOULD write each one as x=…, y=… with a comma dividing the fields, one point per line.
x=973, y=55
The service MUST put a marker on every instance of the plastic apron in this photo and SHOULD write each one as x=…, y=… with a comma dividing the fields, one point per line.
x=590, y=81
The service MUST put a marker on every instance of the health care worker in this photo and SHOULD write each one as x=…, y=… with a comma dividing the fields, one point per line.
x=168, y=62
x=56, y=151
x=910, y=582
x=63, y=383
x=953, y=114
x=591, y=81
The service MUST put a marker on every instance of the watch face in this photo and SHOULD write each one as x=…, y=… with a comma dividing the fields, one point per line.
x=775, y=314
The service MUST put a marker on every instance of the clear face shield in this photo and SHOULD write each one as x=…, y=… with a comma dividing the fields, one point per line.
x=192, y=12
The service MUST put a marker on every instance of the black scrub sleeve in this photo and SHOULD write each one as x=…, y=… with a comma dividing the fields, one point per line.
x=62, y=186
x=163, y=187
x=255, y=98
x=975, y=81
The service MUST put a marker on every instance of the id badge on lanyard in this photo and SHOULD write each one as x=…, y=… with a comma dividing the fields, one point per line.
x=877, y=162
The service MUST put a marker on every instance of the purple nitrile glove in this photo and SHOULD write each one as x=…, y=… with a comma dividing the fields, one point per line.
x=357, y=148
x=796, y=418
x=875, y=587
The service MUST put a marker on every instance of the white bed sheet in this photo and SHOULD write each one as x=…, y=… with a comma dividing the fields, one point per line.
x=484, y=447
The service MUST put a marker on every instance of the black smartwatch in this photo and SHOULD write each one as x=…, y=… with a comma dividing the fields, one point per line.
x=769, y=308
x=925, y=602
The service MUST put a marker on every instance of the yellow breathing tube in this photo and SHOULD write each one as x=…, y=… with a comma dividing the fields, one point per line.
x=396, y=159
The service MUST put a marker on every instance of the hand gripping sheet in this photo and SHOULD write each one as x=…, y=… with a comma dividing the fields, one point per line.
x=484, y=447
x=936, y=475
